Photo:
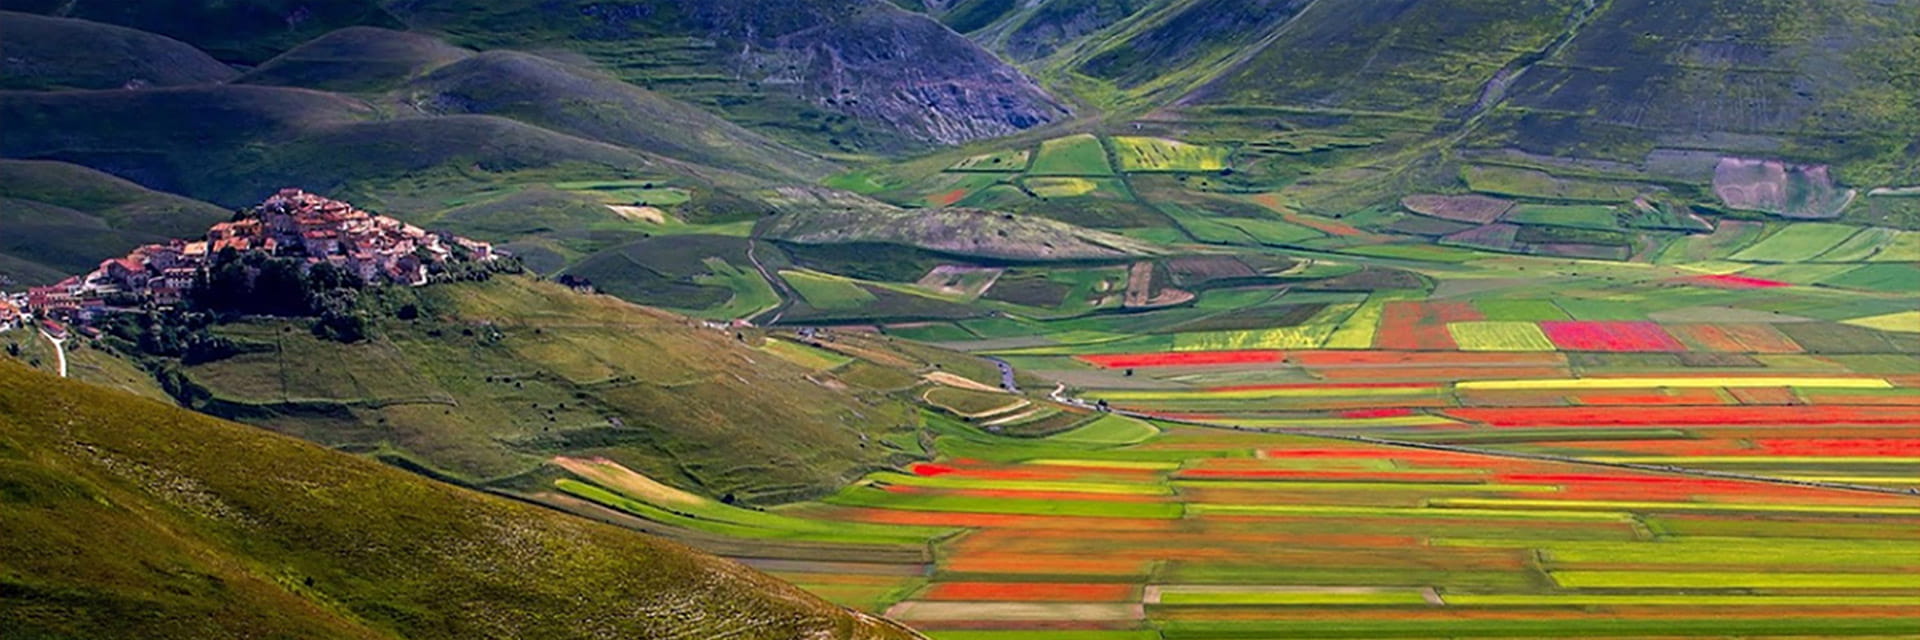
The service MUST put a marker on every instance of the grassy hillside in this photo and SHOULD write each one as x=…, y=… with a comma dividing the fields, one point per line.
x=59, y=53
x=1717, y=73
x=823, y=217
x=356, y=59
x=847, y=75
x=63, y=219
x=489, y=380
x=269, y=137
x=243, y=31
x=595, y=106
x=127, y=518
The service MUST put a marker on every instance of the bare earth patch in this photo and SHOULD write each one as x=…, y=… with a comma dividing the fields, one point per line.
x=640, y=214
x=1474, y=208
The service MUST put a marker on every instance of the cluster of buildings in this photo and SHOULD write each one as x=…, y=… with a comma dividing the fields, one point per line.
x=291, y=224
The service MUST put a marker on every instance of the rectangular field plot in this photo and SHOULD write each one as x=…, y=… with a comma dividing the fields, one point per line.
x=1798, y=242
x=999, y=162
x=1160, y=154
x=1075, y=155
x=1610, y=336
x=1499, y=336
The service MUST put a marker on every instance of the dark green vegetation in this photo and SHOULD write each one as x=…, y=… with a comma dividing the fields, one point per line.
x=58, y=53
x=122, y=517
x=62, y=219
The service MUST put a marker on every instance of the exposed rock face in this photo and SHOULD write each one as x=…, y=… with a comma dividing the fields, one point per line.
x=905, y=70
x=1772, y=186
x=889, y=68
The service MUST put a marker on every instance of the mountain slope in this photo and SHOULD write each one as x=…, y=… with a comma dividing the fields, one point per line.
x=832, y=74
x=39, y=52
x=488, y=380
x=241, y=31
x=232, y=144
x=126, y=518
x=62, y=219
x=356, y=59
x=591, y=105
x=1820, y=80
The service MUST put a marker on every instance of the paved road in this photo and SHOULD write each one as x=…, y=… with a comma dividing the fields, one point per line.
x=1006, y=375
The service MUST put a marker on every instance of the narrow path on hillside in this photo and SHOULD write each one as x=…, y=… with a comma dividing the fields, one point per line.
x=780, y=288
x=1494, y=90
x=1059, y=396
x=59, y=351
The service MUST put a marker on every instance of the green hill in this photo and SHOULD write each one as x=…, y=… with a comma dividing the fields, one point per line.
x=58, y=53
x=356, y=59
x=762, y=65
x=242, y=31
x=595, y=106
x=63, y=219
x=122, y=517
x=277, y=136
x=489, y=380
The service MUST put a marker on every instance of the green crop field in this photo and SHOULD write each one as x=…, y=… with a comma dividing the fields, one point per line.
x=1584, y=216
x=1076, y=155
x=827, y=292
x=1157, y=154
x=1797, y=243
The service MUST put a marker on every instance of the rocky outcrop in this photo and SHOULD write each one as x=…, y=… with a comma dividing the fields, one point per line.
x=904, y=70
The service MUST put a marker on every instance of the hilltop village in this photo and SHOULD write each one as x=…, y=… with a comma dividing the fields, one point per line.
x=290, y=224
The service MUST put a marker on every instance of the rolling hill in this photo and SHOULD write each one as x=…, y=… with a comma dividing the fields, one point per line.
x=63, y=219
x=123, y=517
x=356, y=60
x=60, y=53
x=827, y=74
x=488, y=380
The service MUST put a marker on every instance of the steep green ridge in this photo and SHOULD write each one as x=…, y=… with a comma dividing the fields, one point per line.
x=58, y=53
x=122, y=517
x=490, y=379
x=62, y=219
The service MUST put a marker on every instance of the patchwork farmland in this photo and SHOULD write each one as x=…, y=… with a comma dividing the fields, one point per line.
x=1528, y=463
x=1538, y=401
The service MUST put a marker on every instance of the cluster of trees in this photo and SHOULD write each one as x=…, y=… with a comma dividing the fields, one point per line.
x=261, y=285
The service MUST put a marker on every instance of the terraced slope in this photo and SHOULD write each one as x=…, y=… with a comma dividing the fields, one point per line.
x=123, y=517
